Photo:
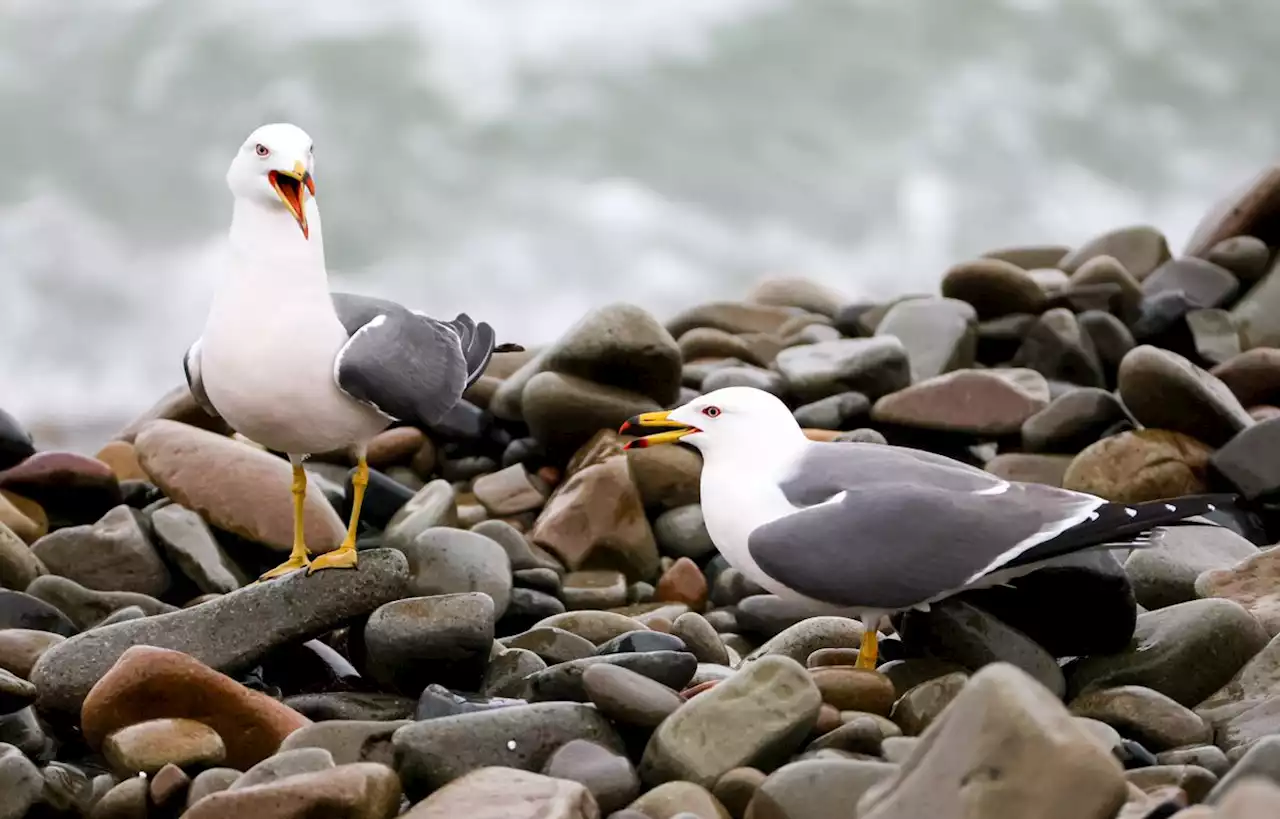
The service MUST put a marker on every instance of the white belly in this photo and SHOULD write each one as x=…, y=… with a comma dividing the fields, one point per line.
x=277, y=388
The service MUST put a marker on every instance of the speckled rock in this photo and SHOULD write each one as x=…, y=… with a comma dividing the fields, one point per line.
x=1251, y=583
x=1141, y=465
x=146, y=747
x=921, y=704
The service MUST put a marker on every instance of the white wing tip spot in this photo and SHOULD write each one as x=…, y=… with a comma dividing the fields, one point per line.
x=511, y=745
x=1093, y=516
x=1133, y=513
x=1211, y=507
x=378, y=320
x=1171, y=507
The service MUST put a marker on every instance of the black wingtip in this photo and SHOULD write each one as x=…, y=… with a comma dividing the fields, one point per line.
x=508, y=348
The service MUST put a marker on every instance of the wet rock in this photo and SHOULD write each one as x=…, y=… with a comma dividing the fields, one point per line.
x=872, y=366
x=1142, y=465
x=114, y=554
x=417, y=641
x=230, y=633
x=976, y=402
x=187, y=541
x=1166, y=573
x=756, y=718
x=146, y=747
x=452, y=561
x=1163, y=390
x=1003, y=721
x=1140, y=249
x=1204, y=284
x=432, y=753
x=234, y=486
x=362, y=790
x=70, y=488
x=1186, y=652
x=995, y=288
x=641, y=641
x=939, y=335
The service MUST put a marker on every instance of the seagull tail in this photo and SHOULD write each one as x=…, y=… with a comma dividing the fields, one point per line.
x=1120, y=525
x=477, y=341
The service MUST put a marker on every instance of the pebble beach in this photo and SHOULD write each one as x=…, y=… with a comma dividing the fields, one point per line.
x=540, y=626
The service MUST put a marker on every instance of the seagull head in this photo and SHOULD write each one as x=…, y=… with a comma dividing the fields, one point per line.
x=733, y=419
x=273, y=167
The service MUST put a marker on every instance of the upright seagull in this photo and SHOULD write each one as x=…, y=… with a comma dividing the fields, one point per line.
x=301, y=370
x=865, y=530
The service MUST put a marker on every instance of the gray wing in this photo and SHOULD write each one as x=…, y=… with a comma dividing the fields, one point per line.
x=191, y=366
x=407, y=365
x=886, y=528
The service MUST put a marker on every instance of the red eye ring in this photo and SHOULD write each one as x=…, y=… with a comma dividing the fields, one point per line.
x=262, y=150
x=711, y=412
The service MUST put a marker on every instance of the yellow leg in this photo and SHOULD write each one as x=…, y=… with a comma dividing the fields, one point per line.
x=869, y=650
x=298, y=557
x=344, y=557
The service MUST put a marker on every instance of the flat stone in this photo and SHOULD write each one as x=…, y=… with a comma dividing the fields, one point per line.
x=1186, y=652
x=872, y=366
x=114, y=554
x=1166, y=391
x=362, y=790
x=710, y=343
x=86, y=607
x=1072, y=421
x=628, y=697
x=1205, y=284
x=563, y=681
x=146, y=747
x=21, y=648
x=18, y=564
x=1140, y=249
x=994, y=287
x=1165, y=573
x=443, y=560
x=1253, y=376
x=609, y=777
x=817, y=788
x=348, y=741
x=234, y=486
x=1003, y=721
x=443, y=639
x=1141, y=465
x=231, y=633
x=1148, y=716
x=939, y=335
x=838, y=411
x=755, y=718
x=977, y=402
x=509, y=491
x=434, y=505
x=352, y=705
x=595, y=589
x=187, y=542
x=596, y=520
x=433, y=753
x=682, y=532
x=70, y=488
x=966, y=634
x=732, y=317
x=507, y=793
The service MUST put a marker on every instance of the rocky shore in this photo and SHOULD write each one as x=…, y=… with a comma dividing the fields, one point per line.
x=540, y=625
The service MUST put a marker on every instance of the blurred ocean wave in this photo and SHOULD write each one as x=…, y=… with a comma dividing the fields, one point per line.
x=525, y=160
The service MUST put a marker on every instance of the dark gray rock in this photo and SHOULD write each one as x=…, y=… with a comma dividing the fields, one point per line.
x=838, y=411
x=87, y=607
x=744, y=376
x=15, y=442
x=417, y=641
x=114, y=554
x=22, y=610
x=1072, y=421
x=872, y=366
x=1251, y=460
x=186, y=539
x=563, y=681
x=352, y=705
x=641, y=641
x=1165, y=573
x=1056, y=347
x=609, y=776
x=453, y=561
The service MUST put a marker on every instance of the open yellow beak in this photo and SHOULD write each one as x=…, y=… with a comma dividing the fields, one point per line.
x=648, y=421
x=292, y=188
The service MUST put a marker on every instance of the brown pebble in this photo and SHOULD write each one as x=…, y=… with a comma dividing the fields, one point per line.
x=424, y=460
x=396, y=446
x=690, y=693
x=828, y=719
x=21, y=647
x=735, y=788
x=123, y=460
x=832, y=656
x=854, y=689
x=683, y=583
x=169, y=785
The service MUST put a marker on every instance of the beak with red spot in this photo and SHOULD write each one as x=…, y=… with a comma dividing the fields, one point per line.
x=292, y=187
x=656, y=427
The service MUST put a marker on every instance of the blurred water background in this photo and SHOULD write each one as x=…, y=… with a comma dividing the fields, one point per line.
x=525, y=160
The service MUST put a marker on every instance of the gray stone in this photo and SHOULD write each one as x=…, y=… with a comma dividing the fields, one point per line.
x=20, y=783
x=1127, y=302
x=507, y=674
x=682, y=532
x=348, y=741
x=417, y=641
x=284, y=763
x=1245, y=256
x=818, y=788
x=1163, y=390
x=123, y=615
x=594, y=589
x=187, y=541
x=939, y=335
x=564, y=411
x=18, y=565
x=15, y=692
x=1214, y=334
x=1248, y=460
x=432, y=753
x=1209, y=757
x=1111, y=339
x=87, y=607
x=810, y=634
x=1140, y=248
x=596, y=626
x=563, y=681
x=113, y=554
x=1204, y=283
x=231, y=633
x=756, y=718
x=872, y=366
x=521, y=553
x=433, y=505
x=23, y=730
x=67, y=789
x=1185, y=651
x=555, y=645
x=619, y=345
x=609, y=776
x=1072, y=421
x=701, y=638
x=744, y=376
x=1165, y=573
x=628, y=697
x=353, y=705
x=833, y=412
x=453, y=561
x=1261, y=760
x=1057, y=348
x=995, y=288
x=641, y=640
x=211, y=781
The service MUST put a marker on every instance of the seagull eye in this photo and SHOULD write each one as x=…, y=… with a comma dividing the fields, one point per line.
x=262, y=150
x=711, y=412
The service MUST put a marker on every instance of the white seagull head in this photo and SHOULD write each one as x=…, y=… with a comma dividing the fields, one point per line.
x=734, y=419
x=274, y=168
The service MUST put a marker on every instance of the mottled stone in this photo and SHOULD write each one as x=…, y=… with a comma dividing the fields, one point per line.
x=362, y=790
x=417, y=641
x=555, y=645
x=146, y=747
x=348, y=741
x=1141, y=465
x=1029, y=467
x=920, y=705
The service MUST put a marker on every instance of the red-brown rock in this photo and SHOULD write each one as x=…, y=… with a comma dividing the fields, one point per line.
x=71, y=488
x=683, y=583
